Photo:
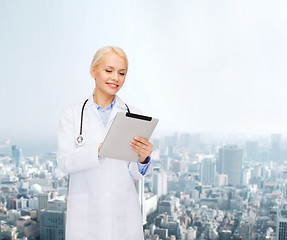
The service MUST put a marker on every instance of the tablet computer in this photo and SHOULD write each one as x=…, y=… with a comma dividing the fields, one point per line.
x=125, y=127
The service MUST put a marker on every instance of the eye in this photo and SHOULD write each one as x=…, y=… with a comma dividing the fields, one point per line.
x=123, y=74
x=107, y=70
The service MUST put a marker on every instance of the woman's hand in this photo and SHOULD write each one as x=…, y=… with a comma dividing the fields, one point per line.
x=142, y=147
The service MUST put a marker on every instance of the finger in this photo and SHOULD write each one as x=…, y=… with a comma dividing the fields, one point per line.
x=141, y=151
x=134, y=141
x=140, y=147
x=141, y=139
x=142, y=155
x=145, y=142
x=139, y=144
x=135, y=148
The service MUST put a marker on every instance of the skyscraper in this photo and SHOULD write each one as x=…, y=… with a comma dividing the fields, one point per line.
x=43, y=199
x=275, y=148
x=159, y=182
x=281, y=228
x=53, y=220
x=208, y=170
x=230, y=163
x=251, y=148
x=16, y=152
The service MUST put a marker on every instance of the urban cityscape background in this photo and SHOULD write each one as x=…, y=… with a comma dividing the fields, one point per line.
x=213, y=67
x=200, y=187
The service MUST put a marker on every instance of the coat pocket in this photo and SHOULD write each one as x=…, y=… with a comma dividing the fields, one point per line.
x=77, y=210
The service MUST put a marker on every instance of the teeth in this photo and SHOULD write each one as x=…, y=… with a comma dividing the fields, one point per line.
x=113, y=85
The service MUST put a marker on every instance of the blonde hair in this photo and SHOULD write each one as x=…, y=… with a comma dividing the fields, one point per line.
x=108, y=49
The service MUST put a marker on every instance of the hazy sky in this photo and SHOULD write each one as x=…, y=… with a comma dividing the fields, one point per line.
x=218, y=66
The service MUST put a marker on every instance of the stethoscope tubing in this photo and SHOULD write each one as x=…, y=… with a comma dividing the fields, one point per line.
x=80, y=138
x=82, y=117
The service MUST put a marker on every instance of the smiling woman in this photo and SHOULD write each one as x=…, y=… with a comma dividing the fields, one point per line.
x=109, y=70
x=102, y=203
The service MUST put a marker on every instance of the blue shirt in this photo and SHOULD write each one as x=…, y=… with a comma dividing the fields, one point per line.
x=105, y=115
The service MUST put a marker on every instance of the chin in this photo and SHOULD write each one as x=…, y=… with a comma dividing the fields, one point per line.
x=113, y=91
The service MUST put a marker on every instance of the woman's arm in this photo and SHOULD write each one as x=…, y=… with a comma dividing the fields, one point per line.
x=144, y=149
x=69, y=157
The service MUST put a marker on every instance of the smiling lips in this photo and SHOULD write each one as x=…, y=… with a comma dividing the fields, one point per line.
x=112, y=85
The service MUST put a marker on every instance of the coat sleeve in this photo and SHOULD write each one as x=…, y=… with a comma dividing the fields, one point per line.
x=70, y=158
x=135, y=173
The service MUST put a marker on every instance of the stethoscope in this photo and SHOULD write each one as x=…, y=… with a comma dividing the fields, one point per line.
x=80, y=139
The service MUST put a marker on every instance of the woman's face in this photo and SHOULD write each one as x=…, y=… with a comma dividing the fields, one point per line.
x=109, y=74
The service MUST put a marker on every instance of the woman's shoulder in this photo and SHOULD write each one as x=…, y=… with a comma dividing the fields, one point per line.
x=73, y=108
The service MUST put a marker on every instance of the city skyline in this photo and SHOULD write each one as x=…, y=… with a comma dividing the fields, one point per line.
x=196, y=190
x=30, y=146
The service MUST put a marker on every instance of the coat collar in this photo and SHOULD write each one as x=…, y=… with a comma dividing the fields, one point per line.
x=118, y=107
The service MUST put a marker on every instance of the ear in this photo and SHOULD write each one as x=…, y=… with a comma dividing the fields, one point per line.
x=93, y=72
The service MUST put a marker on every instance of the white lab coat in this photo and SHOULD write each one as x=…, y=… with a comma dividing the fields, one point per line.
x=103, y=203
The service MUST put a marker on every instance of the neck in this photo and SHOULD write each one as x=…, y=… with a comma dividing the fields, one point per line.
x=103, y=100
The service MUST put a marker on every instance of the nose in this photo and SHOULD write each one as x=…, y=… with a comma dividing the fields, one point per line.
x=115, y=77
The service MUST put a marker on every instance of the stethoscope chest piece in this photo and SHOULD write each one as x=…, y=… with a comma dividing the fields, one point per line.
x=80, y=140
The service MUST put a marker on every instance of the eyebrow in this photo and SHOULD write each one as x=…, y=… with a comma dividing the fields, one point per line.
x=114, y=68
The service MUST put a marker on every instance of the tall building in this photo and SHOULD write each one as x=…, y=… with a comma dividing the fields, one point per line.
x=275, y=148
x=245, y=230
x=184, y=140
x=53, y=220
x=246, y=175
x=159, y=182
x=251, y=149
x=165, y=163
x=208, y=171
x=52, y=224
x=221, y=180
x=230, y=163
x=281, y=228
x=170, y=150
x=43, y=199
x=257, y=171
x=16, y=153
x=219, y=161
